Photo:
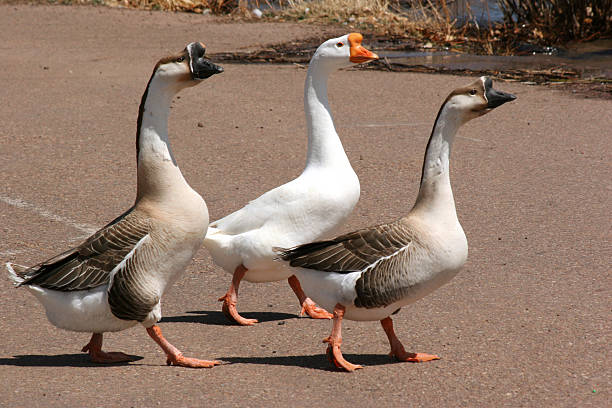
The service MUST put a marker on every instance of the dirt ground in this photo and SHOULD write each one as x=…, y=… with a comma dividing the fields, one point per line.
x=526, y=322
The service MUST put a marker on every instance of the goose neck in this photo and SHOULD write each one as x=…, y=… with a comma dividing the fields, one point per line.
x=324, y=145
x=158, y=172
x=435, y=193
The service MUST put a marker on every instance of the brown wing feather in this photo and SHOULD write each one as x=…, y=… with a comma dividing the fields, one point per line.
x=130, y=296
x=89, y=265
x=351, y=252
x=381, y=252
x=385, y=282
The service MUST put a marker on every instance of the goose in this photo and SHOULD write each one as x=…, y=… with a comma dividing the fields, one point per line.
x=304, y=209
x=116, y=278
x=369, y=274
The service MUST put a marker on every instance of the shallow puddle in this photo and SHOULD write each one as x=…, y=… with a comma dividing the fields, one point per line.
x=588, y=60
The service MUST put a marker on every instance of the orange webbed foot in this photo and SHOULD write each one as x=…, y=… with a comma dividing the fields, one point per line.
x=397, y=349
x=315, y=312
x=230, y=311
x=110, y=358
x=173, y=355
x=336, y=358
x=414, y=357
x=100, y=357
x=182, y=361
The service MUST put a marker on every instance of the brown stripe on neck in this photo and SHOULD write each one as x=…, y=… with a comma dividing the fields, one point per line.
x=143, y=100
x=478, y=85
x=431, y=137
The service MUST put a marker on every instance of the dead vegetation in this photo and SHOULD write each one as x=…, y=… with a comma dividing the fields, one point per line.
x=559, y=21
x=193, y=6
x=379, y=17
x=539, y=22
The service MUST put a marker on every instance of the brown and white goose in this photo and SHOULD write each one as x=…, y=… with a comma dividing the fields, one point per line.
x=371, y=273
x=116, y=278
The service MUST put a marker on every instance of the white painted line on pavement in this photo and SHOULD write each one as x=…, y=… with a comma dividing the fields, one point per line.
x=16, y=202
x=11, y=252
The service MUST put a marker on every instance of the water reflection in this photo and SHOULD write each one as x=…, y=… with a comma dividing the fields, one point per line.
x=481, y=11
x=590, y=60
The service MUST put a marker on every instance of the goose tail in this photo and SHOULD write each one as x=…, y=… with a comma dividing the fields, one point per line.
x=219, y=246
x=16, y=273
x=216, y=237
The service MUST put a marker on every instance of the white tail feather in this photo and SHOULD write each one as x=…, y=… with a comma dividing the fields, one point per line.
x=13, y=275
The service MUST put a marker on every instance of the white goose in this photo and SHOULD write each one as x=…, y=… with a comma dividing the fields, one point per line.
x=116, y=278
x=371, y=273
x=312, y=205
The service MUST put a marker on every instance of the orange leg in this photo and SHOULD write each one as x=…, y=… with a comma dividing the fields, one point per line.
x=335, y=340
x=308, y=305
x=174, y=356
x=94, y=348
x=397, y=349
x=230, y=298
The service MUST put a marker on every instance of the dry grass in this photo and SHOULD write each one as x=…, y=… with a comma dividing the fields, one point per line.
x=193, y=6
x=237, y=7
x=544, y=22
x=382, y=17
x=558, y=21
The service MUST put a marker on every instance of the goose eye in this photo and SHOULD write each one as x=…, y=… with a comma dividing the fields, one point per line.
x=339, y=44
x=473, y=92
x=180, y=59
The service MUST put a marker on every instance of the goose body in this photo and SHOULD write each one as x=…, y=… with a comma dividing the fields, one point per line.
x=371, y=273
x=117, y=277
x=308, y=207
x=402, y=273
x=80, y=295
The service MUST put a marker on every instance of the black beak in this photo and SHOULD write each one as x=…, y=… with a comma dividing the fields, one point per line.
x=496, y=98
x=204, y=68
x=201, y=67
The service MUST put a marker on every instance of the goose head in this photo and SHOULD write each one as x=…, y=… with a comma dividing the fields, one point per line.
x=187, y=68
x=476, y=99
x=343, y=52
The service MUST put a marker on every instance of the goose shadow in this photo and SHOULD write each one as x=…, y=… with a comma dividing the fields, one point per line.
x=59, y=360
x=217, y=318
x=315, y=361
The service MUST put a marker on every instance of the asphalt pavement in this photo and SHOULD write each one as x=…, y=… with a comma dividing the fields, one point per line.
x=525, y=323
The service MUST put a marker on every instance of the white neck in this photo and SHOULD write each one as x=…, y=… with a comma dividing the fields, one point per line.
x=435, y=193
x=324, y=146
x=158, y=173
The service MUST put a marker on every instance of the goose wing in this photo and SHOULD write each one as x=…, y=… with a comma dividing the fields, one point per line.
x=381, y=253
x=352, y=252
x=119, y=255
x=90, y=264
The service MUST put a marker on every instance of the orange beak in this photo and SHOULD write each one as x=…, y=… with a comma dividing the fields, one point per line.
x=359, y=53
